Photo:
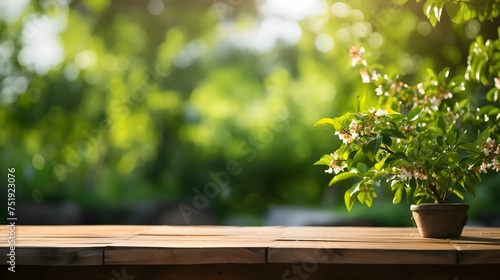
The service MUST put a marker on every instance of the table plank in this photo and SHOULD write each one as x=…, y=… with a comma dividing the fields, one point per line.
x=478, y=246
x=174, y=256
x=77, y=230
x=143, y=245
x=255, y=271
x=76, y=256
x=360, y=253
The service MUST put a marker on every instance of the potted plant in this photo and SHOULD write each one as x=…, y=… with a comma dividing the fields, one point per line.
x=418, y=142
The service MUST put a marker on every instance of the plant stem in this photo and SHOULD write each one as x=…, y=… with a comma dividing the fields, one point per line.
x=433, y=188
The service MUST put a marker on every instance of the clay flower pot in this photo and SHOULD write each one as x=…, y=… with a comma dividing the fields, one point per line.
x=445, y=220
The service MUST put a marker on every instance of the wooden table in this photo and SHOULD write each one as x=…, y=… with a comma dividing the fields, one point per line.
x=223, y=252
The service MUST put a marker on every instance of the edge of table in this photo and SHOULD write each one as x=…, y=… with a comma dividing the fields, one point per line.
x=189, y=245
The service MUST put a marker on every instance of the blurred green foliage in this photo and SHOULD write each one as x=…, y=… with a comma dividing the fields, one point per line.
x=113, y=102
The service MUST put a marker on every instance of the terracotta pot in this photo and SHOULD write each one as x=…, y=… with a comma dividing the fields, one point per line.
x=445, y=220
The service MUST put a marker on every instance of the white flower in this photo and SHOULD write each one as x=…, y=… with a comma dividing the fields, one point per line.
x=334, y=166
x=354, y=135
x=495, y=164
x=365, y=77
x=346, y=137
x=381, y=112
x=435, y=102
x=353, y=126
x=379, y=90
x=338, y=168
x=484, y=167
x=421, y=176
x=356, y=56
x=420, y=88
x=497, y=82
x=407, y=172
x=488, y=146
x=375, y=76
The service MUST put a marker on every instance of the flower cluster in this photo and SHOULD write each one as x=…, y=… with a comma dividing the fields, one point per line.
x=336, y=165
x=431, y=94
x=365, y=124
x=409, y=172
x=491, y=152
x=356, y=55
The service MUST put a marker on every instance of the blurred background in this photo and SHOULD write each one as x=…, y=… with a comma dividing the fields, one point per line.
x=201, y=112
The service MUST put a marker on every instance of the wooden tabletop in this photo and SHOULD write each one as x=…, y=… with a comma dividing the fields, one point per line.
x=176, y=245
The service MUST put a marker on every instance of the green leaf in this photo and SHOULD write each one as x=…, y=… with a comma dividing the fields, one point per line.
x=337, y=122
x=350, y=196
x=324, y=160
x=457, y=84
x=378, y=141
x=361, y=197
x=393, y=133
x=443, y=74
x=428, y=13
x=368, y=200
x=489, y=110
x=431, y=74
x=492, y=94
x=361, y=157
x=365, y=197
x=433, y=10
x=379, y=165
x=439, y=140
x=408, y=192
x=386, y=139
x=325, y=121
x=362, y=168
x=398, y=195
x=469, y=186
x=479, y=62
x=360, y=102
x=452, y=9
x=452, y=135
x=368, y=149
x=415, y=113
x=458, y=194
x=344, y=176
x=484, y=75
x=401, y=162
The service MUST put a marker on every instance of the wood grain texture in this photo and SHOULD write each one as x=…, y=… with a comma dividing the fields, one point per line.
x=184, y=256
x=173, y=245
x=255, y=271
x=361, y=256
x=59, y=256
x=478, y=246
